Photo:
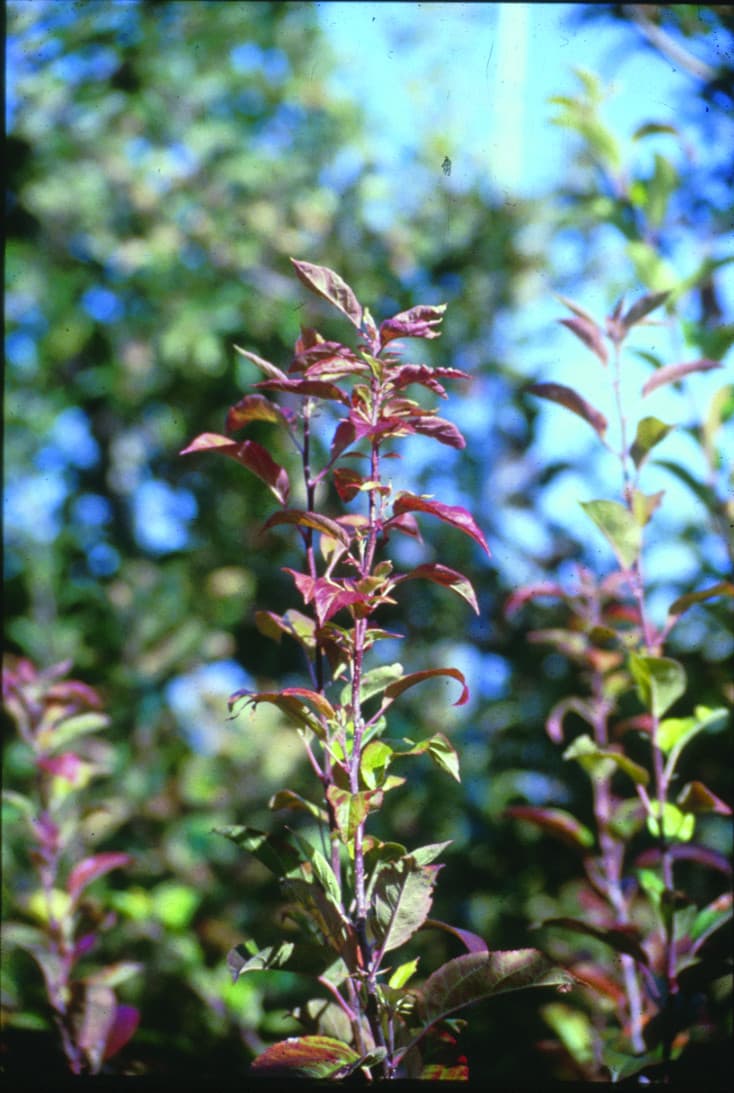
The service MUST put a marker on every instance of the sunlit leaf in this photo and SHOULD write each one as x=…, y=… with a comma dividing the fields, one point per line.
x=589, y=333
x=650, y=431
x=329, y=285
x=721, y=588
x=672, y=372
x=660, y=681
x=451, y=514
x=251, y=455
x=411, y=680
x=449, y=578
x=92, y=867
x=566, y=396
x=315, y=1057
x=253, y=408
x=619, y=528
x=313, y=520
x=417, y=322
x=600, y=762
x=643, y=307
x=676, y=824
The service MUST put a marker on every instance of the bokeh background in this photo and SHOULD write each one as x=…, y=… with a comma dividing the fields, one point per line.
x=164, y=161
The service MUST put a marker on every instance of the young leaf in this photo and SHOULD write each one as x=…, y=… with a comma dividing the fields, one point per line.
x=600, y=762
x=351, y=809
x=313, y=520
x=660, y=681
x=90, y=868
x=566, y=396
x=675, y=823
x=251, y=455
x=624, y=939
x=556, y=822
x=643, y=307
x=402, y=974
x=124, y=1026
x=451, y=514
x=400, y=685
x=417, y=322
x=315, y=1057
x=240, y=960
x=672, y=372
x=650, y=431
x=589, y=333
x=253, y=408
x=330, y=286
x=449, y=578
x=722, y=588
x=619, y=528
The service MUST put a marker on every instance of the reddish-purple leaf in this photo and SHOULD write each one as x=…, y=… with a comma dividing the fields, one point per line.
x=696, y=797
x=124, y=1027
x=472, y=942
x=90, y=868
x=417, y=322
x=425, y=376
x=347, y=483
x=455, y=515
x=556, y=822
x=74, y=693
x=270, y=370
x=316, y=1057
x=622, y=938
x=249, y=454
x=672, y=372
x=589, y=333
x=529, y=592
x=443, y=431
x=566, y=396
x=721, y=588
x=254, y=408
x=449, y=578
x=331, y=359
x=67, y=766
x=344, y=435
x=308, y=387
x=313, y=520
x=576, y=308
x=414, y=678
x=643, y=307
x=330, y=286
x=554, y=724
x=407, y=524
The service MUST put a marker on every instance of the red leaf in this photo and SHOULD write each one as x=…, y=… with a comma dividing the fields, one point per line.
x=425, y=376
x=450, y=514
x=414, y=678
x=315, y=388
x=124, y=1027
x=529, y=592
x=90, y=868
x=417, y=322
x=566, y=396
x=66, y=766
x=269, y=369
x=672, y=372
x=589, y=333
x=330, y=286
x=344, y=435
x=556, y=822
x=347, y=483
x=472, y=942
x=449, y=578
x=251, y=455
x=643, y=307
x=443, y=431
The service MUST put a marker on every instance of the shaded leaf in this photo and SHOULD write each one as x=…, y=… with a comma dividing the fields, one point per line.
x=96, y=1023
x=619, y=528
x=270, y=370
x=124, y=1026
x=329, y=285
x=589, y=333
x=275, y=851
x=672, y=372
x=472, y=942
x=554, y=724
x=624, y=939
x=240, y=960
x=566, y=396
x=351, y=809
x=696, y=797
x=600, y=762
x=400, y=897
x=288, y=799
x=455, y=515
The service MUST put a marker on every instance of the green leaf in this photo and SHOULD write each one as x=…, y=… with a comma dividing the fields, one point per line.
x=676, y=732
x=373, y=682
x=276, y=851
x=287, y=798
x=600, y=762
x=18, y=801
x=645, y=504
x=240, y=960
x=403, y=973
x=650, y=431
x=307, y=1057
x=660, y=681
x=618, y=526
x=352, y=809
x=721, y=588
x=400, y=895
x=675, y=824
x=57, y=736
x=376, y=759
x=574, y=1029
x=426, y=854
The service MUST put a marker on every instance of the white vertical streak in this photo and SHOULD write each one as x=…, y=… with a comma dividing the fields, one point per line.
x=509, y=94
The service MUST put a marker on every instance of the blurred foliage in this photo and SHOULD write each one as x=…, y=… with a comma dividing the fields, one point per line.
x=164, y=160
